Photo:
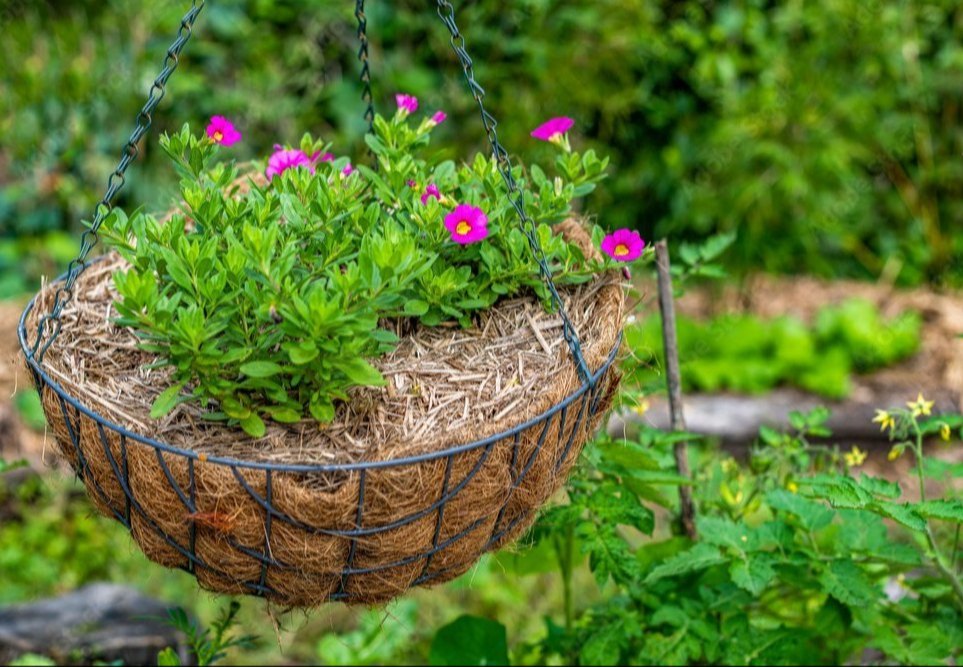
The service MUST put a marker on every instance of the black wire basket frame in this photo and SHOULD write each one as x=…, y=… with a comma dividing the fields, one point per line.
x=573, y=412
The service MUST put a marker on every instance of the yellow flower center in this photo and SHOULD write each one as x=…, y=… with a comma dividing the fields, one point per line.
x=621, y=250
x=218, y=136
x=463, y=228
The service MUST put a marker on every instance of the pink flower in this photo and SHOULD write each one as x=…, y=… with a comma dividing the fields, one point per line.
x=623, y=245
x=284, y=159
x=412, y=183
x=438, y=118
x=430, y=191
x=326, y=157
x=554, y=129
x=222, y=131
x=407, y=103
x=348, y=170
x=467, y=224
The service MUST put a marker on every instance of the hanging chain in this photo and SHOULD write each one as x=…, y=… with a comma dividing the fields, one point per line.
x=447, y=13
x=50, y=323
x=366, y=96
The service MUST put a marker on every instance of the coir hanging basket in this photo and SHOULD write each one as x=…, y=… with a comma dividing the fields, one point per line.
x=409, y=486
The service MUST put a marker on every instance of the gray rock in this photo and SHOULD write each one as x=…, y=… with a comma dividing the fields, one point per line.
x=99, y=622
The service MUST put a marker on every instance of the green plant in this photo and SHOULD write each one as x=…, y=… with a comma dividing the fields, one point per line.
x=380, y=636
x=800, y=558
x=748, y=354
x=208, y=646
x=267, y=298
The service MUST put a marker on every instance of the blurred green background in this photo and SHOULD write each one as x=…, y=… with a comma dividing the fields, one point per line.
x=828, y=133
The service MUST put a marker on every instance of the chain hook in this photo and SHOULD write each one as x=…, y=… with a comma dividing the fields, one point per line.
x=515, y=197
x=50, y=323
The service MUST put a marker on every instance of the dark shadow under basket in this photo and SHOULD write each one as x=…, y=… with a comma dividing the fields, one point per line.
x=261, y=528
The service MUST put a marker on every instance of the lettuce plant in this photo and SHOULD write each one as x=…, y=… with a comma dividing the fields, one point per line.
x=267, y=295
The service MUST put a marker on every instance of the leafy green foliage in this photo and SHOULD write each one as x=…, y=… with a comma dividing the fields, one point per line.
x=267, y=300
x=795, y=563
x=210, y=645
x=27, y=404
x=470, y=640
x=747, y=354
x=381, y=634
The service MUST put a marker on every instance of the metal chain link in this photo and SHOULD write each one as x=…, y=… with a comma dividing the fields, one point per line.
x=51, y=322
x=447, y=13
x=366, y=96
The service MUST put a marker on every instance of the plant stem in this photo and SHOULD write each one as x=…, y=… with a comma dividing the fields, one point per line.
x=947, y=571
x=674, y=377
x=563, y=550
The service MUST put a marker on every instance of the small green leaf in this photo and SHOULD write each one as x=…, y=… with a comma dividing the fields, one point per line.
x=753, y=574
x=903, y=513
x=303, y=353
x=361, y=373
x=253, y=425
x=699, y=557
x=470, y=640
x=944, y=510
x=846, y=582
x=166, y=402
x=416, y=308
x=168, y=658
x=260, y=369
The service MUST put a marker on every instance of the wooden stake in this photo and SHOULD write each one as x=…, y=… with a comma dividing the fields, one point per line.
x=674, y=378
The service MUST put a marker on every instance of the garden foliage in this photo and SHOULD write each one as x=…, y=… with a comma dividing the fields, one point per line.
x=801, y=557
x=827, y=133
x=746, y=353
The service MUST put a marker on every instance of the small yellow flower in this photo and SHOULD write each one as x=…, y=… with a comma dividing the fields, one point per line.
x=792, y=487
x=855, y=457
x=641, y=407
x=920, y=406
x=884, y=419
x=894, y=453
x=945, y=431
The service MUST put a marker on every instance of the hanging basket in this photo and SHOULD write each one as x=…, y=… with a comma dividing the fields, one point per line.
x=409, y=485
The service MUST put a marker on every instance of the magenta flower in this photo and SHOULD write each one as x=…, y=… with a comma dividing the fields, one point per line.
x=430, y=191
x=438, y=118
x=407, y=103
x=284, y=159
x=467, y=224
x=348, y=170
x=623, y=245
x=222, y=131
x=412, y=183
x=326, y=157
x=554, y=129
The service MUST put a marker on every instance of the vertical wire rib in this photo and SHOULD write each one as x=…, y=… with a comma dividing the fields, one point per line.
x=192, y=530
x=501, y=512
x=576, y=427
x=125, y=472
x=81, y=467
x=358, y=523
x=269, y=496
x=440, y=518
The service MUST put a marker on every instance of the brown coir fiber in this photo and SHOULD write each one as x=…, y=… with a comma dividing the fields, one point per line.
x=446, y=386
